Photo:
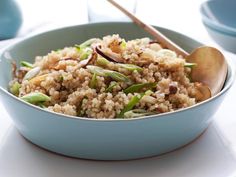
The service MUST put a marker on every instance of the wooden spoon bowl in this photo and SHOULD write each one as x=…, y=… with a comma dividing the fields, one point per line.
x=211, y=68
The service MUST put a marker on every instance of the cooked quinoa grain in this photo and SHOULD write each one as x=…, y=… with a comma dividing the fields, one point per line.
x=108, y=78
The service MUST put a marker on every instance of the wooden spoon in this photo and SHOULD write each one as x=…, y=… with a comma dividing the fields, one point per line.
x=211, y=69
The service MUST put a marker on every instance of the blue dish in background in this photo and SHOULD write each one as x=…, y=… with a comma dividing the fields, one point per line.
x=103, y=139
x=10, y=19
x=219, y=19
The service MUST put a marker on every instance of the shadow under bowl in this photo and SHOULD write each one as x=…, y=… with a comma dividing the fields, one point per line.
x=102, y=139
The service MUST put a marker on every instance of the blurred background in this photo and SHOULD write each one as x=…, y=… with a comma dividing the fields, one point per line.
x=181, y=15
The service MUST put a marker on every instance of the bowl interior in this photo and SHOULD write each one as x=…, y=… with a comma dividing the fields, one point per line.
x=43, y=43
x=220, y=13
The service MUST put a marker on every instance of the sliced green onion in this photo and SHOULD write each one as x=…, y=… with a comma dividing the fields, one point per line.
x=78, y=47
x=41, y=105
x=190, y=78
x=138, y=113
x=190, y=65
x=32, y=73
x=85, y=53
x=130, y=67
x=138, y=87
x=117, y=76
x=35, y=98
x=105, y=72
x=96, y=70
x=102, y=61
x=148, y=92
x=86, y=44
x=134, y=100
x=15, y=87
x=58, y=50
x=111, y=86
x=123, y=44
x=84, y=48
x=61, y=78
x=93, y=81
x=26, y=64
x=81, y=112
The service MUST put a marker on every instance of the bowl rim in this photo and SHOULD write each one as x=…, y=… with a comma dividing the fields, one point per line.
x=228, y=83
x=220, y=26
x=218, y=30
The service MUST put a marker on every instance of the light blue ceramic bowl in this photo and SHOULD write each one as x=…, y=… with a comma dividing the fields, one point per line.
x=10, y=19
x=225, y=40
x=116, y=139
x=219, y=20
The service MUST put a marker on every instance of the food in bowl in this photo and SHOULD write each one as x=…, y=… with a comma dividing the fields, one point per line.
x=108, y=78
x=103, y=139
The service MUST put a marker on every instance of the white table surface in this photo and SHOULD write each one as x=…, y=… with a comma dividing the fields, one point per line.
x=211, y=155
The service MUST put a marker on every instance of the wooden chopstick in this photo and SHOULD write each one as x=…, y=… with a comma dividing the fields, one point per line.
x=162, y=39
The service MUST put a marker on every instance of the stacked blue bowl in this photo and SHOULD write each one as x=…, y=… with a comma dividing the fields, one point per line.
x=10, y=19
x=219, y=18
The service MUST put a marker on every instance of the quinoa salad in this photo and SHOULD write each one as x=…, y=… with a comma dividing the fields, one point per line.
x=108, y=78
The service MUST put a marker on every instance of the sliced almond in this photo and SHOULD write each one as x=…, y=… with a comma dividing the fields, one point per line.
x=37, y=80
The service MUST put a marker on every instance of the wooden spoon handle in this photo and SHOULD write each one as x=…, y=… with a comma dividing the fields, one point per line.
x=162, y=39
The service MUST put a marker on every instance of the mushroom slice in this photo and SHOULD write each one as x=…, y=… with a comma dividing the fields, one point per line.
x=203, y=92
x=109, y=55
